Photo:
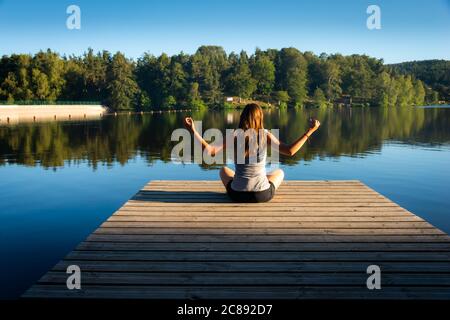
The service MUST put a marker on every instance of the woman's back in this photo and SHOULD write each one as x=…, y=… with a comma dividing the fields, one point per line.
x=250, y=171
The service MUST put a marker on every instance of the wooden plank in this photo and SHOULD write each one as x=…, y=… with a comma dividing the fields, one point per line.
x=247, y=278
x=347, y=238
x=282, y=189
x=268, y=224
x=227, y=204
x=255, y=266
x=267, y=231
x=293, y=193
x=296, y=238
x=238, y=292
x=258, y=256
x=280, y=197
x=331, y=190
x=306, y=189
x=267, y=246
x=268, y=211
x=258, y=219
x=285, y=201
x=286, y=182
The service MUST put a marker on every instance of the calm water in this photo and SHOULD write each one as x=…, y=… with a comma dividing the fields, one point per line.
x=60, y=180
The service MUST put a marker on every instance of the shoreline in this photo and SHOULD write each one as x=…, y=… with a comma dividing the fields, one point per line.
x=10, y=114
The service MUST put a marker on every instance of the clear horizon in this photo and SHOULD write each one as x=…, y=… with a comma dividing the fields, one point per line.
x=410, y=30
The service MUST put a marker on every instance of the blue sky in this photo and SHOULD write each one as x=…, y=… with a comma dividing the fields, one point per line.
x=411, y=29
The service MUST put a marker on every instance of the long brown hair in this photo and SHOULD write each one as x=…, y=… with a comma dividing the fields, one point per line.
x=252, y=117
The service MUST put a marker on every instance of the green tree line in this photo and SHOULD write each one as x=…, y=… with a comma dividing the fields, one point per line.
x=435, y=73
x=285, y=77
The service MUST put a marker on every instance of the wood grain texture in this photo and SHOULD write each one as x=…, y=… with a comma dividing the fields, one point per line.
x=314, y=240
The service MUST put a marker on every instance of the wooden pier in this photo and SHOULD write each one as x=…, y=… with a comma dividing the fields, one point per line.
x=314, y=240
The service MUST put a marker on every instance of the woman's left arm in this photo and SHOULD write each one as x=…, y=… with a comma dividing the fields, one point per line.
x=292, y=149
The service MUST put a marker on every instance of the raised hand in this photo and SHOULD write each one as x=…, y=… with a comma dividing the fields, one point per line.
x=189, y=124
x=314, y=124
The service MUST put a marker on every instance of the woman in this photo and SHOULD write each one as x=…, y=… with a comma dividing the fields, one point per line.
x=250, y=183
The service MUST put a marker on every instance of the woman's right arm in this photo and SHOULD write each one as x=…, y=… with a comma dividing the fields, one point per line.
x=212, y=150
x=293, y=148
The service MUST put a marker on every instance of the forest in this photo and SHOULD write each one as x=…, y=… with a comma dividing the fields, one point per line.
x=435, y=73
x=283, y=78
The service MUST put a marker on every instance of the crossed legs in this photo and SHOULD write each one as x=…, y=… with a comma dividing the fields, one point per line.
x=276, y=176
x=226, y=175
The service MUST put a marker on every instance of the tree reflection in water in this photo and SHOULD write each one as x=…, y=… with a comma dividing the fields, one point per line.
x=344, y=131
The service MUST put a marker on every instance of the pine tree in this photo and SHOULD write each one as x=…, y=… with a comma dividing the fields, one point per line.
x=122, y=87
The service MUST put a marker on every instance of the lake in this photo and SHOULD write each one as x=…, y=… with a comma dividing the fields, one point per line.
x=60, y=180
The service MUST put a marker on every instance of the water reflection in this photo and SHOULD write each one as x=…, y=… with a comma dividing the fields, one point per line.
x=353, y=132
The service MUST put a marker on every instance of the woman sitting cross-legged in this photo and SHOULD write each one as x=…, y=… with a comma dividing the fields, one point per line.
x=250, y=182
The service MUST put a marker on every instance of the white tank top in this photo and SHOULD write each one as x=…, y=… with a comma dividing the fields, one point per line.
x=251, y=176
